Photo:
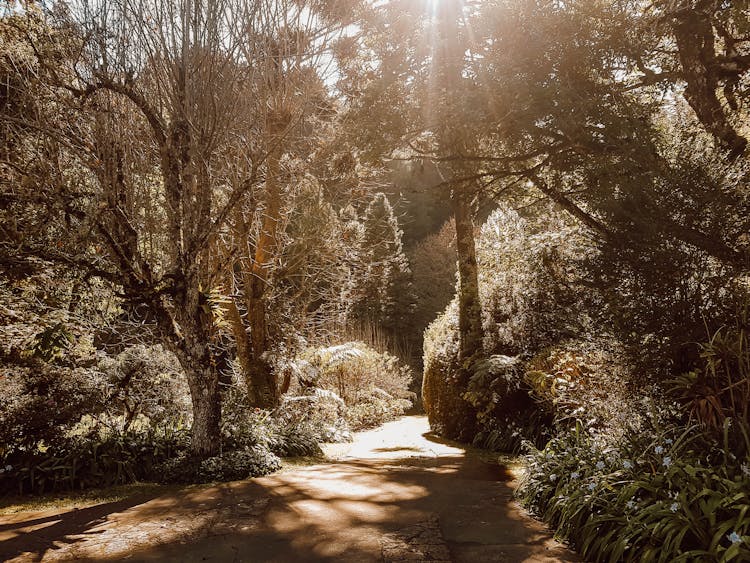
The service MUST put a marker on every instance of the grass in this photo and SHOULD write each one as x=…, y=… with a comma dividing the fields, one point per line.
x=81, y=499
x=13, y=504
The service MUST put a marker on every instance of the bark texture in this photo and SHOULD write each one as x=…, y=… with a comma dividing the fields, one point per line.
x=469, y=308
x=705, y=71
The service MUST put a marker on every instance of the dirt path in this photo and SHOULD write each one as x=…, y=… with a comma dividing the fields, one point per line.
x=395, y=494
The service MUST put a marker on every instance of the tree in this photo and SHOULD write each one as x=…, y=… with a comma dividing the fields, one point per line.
x=290, y=45
x=433, y=262
x=408, y=103
x=149, y=104
x=698, y=48
x=380, y=289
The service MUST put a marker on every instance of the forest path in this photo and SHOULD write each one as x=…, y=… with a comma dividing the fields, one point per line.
x=395, y=494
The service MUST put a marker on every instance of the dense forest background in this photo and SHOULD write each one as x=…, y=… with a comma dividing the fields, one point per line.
x=232, y=229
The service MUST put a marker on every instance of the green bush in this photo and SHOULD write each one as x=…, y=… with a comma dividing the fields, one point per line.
x=719, y=387
x=530, y=273
x=506, y=413
x=353, y=370
x=667, y=495
x=40, y=402
x=321, y=411
x=146, y=381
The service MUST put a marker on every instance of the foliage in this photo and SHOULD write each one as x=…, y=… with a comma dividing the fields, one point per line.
x=588, y=380
x=653, y=496
x=504, y=410
x=444, y=379
x=373, y=386
x=529, y=276
x=376, y=409
x=94, y=457
x=41, y=403
x=720, y=387
x=319, y=410
x=79, y=451
x=354, y=370
x=146, y=381
x=228, y=466
x=380, y=289
x=245, y=427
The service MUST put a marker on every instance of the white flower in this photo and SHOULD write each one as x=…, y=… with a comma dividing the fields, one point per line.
x=674, y=507
x=592, y=486
x=575, y=475
x=669, y=441
x=659, y=449
x=667, y=461
x=8, y=467
x=553, y=477
x=734, y=537
x=600, y=464
x=745, y=469
x=630, y=504
x=627, y=465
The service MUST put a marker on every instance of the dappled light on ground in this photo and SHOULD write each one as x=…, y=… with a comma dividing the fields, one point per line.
x=391, y=495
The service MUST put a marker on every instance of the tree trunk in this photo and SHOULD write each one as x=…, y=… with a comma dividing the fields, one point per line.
x=452, y=140
x=263, y=384
x=203, y=381
x=469, y=308
x=696, y=40
x=186, y=330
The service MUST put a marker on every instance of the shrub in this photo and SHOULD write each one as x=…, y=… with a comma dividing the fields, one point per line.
x=444, y=379
x=719, y=387
x=373, y=386
x=666, y=495
x=529, y=275
x=234, y=465
x=40, y=402
x=321, y=411
x=353, y=370
x=586, y=379
x=375, y=410
x=99, y=457
x=506, y=414
x=245, y=427
x=146, y=381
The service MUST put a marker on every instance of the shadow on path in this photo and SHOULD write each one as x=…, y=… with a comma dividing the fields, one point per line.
x=395, y=494
x=35, y=534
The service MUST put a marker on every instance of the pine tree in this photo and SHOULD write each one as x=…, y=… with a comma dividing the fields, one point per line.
x=380, y=290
